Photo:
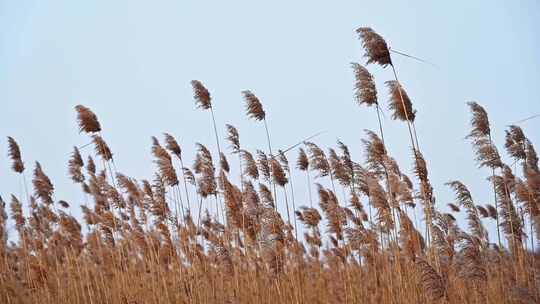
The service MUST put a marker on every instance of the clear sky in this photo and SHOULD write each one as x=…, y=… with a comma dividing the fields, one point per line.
x=132, y=61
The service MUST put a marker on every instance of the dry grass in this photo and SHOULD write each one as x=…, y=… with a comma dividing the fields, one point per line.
x=212, y=234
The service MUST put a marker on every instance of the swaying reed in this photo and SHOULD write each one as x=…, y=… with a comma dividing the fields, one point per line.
x=365, y=90
x=376, y=49
x=302, y=164
x=486, y=153
x=254, y=108
x=400, y=103
x=128, y=245
x=88, y=121
x=201, y=95
x=15, y=154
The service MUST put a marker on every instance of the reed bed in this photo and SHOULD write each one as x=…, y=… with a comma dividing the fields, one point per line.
x=208, y=233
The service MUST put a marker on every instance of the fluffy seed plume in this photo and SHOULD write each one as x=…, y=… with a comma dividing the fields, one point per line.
x=204, y=166
x=400, y=103
x=188, y=175
x=515, y=143
x=202, y=97
x=88, y=121
x=263, y=165
x=164, y=163
x=479, y=121
x=365, y=91
x=223, y=163
x=43, y=187
x=90, y=165
x=318, y=160
x=254, y=107
x=487, y=154
x=15, y=154
x=17, y=213
x=482, y=211
x=172, y=145
x=283, y=160
x=453, y=207
x=492, y=211
x=302, y=163
x=75, y=165
x=375, y=152
x=233, y=138
x=309, y=216
x=250, y=164
x=432, y=283
x=464, y=198
x=101, y=147
x=278, y=174
x=375, y=47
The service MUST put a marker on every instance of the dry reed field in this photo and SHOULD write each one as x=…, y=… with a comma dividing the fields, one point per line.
x=205, y=232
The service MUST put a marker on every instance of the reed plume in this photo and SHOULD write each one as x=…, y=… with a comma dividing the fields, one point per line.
x=43, y=188
x=250, y=164
x=482, y=211
x=88, y=121
x=234, y=138
x=15, y=154
x=17, y=214
x=204, y=166
x=75, y=165
x=492, y=211
x=335, y=214
x=164, y=163
x=479, y=121
x=203, y=101
x=375, y=47
x=400, y=104
x=264, y=166
x=90, y=166
x=302, y=163
x=516, y=143
x=202, y=97
x=464, y=198
x=254, y=108
x=101, y=147
x=486, y=152
x=365, y=90
x=432, y=283
x=172, y=145
x=318, y=160
x=453, y=207
x=223, y=163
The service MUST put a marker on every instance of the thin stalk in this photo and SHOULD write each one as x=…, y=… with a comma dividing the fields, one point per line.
x=271, y=155
x=185, y=185
x=25, y=187
x=414, y=142
x=242, y=194
x=293, y=202
x=215, y=130
x=200, y=209
x=219, y=157
x=495, y=200
x=404, y=109
x=287, y=206
x=309, y=189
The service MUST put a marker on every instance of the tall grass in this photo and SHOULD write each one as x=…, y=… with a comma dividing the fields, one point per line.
x=137, y=242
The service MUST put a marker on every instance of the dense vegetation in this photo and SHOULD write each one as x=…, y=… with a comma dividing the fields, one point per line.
x=208, y=233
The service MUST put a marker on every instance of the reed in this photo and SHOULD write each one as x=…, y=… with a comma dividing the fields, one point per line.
x=129, y=246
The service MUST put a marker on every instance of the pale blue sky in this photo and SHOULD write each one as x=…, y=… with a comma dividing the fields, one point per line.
x=131, y=62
